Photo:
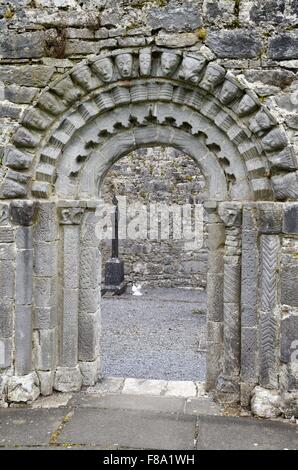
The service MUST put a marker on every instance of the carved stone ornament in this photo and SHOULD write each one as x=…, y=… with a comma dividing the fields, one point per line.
x=214, y=75
x=145, y=60
x=230, y=213
x=71, y=215
x=104, y=68
x=274, y=140
x=124, y=64
x=83, y=77
x=260, y=122
x=169, y=62
x=191, y=68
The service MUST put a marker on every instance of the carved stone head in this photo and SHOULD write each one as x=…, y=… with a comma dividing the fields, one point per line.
x=37, y=119
x=145, y=63
x=230, y=213
x=169, y=63
x=229, y=92
x=191, y=67
x=247, y=105
x=260, y=122
x=124, y=64
x=274, y=140
x=104, y=68
x=83, y=77
x=214, y=75
x=50, y=103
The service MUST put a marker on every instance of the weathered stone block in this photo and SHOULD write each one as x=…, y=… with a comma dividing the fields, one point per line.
x=7, y=252
x=7, y=279
x=46, y=382
x=69, y=346
x=284, y=46
x=23, y=389
x=45, y=291
x=26, y=75
x=46, y=259
x=23, y=339
x=24, y=268
x=265, y=403
x=22, y=45
x=270, y=218
x=45, y=349
x=89, y=331
x=68, y=379
x=90, y=372
x=45, y=318
x=289, y=276
x=6, y=235
x=289, y=338
x=23, y=212
x=234, y=44
x=89, y=268
x=249, y=354
x=89, y=300
x=19, y=94
x=6, y=315
x=46, y=228
x=290, y=221
x=176, y=40
x=184, y=17
x=215, y=296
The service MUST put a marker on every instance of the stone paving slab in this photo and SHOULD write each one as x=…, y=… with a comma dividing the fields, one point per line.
x=229, y=433
x=25, y=427
x=130, y=402
x=132, y=429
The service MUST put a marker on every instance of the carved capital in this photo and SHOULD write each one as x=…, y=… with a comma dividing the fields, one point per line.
x=71, y=215
x=231, y=214
x=23, y=212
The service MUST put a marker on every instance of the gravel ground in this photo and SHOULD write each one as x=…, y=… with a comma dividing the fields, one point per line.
x=160, y=335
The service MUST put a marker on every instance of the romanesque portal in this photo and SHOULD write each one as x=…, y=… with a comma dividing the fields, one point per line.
x=50, y=273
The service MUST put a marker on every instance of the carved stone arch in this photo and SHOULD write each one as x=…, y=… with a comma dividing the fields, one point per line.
x=105, y=84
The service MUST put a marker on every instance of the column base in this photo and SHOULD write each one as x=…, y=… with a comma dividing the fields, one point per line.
x=68, y=379
x=90, y=372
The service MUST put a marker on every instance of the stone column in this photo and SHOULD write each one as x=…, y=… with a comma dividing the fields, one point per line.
x=249, y=303
x=90, y=293
x=7, y=288
x=45, y=294
x=68, y=376
x=228, y=383
x=216, y=239
x=22, y=214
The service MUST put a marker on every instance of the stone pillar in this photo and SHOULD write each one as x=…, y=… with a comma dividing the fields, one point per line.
x=216, y=239
x=68, y=376
x=90, y=293
x=7, y=288
x=228, y=386
x=249, y=303
x=269, y=310
x=22, y=214
x=45, y=292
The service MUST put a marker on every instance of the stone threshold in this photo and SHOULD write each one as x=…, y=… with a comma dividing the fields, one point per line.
x=148, y=387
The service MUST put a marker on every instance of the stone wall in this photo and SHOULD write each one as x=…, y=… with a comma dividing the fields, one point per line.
x=158, y=175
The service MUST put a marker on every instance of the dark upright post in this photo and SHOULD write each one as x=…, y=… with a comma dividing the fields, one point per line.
x=114, y=268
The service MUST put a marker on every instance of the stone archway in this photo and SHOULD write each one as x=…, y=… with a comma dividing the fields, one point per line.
x=99, y=112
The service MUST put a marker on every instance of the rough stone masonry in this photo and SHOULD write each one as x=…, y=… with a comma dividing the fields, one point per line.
x=86, y=83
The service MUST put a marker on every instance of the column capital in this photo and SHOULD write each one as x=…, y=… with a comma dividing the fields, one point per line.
x=71, y=215
x=23, y=212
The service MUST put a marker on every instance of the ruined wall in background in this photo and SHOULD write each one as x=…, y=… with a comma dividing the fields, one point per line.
x=159, y=176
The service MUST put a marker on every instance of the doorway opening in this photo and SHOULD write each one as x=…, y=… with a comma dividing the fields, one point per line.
x=160, y=334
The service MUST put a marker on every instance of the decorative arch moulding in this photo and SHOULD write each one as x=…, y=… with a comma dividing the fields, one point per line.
x=128, y=91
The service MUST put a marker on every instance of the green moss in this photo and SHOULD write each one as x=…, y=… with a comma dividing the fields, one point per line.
x=201, y=33
x=9, y=13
